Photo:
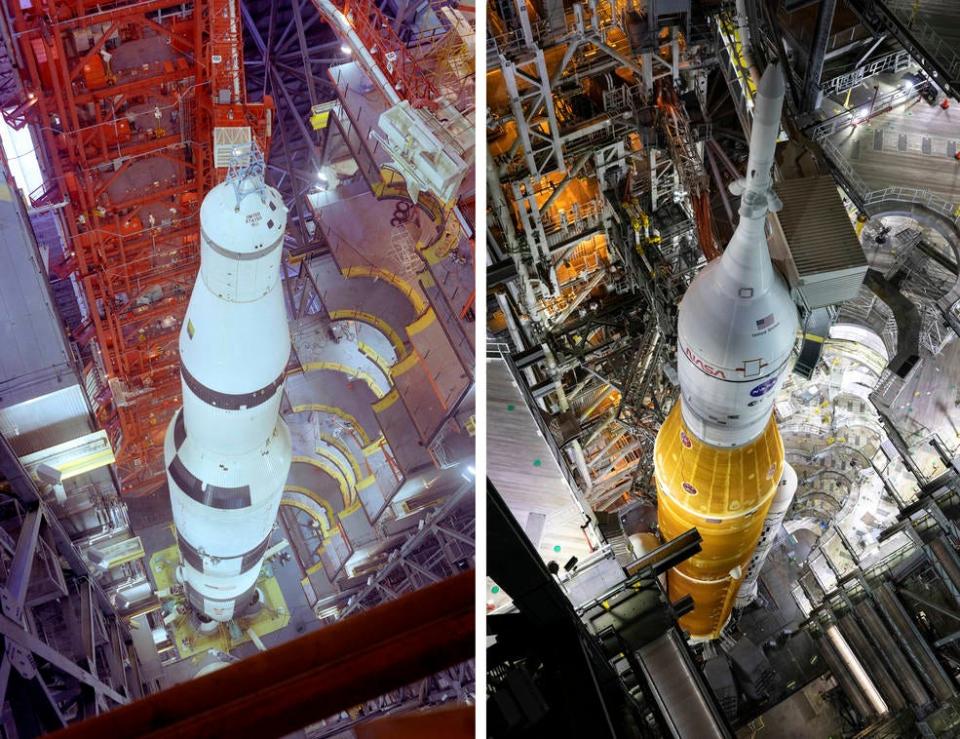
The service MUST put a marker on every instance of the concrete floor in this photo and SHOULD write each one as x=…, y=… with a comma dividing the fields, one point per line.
x=804, y=715
x=910, y=146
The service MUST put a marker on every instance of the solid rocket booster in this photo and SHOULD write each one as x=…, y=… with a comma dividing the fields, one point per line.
x=775, y=515
x=227, y=450
x=718, y=457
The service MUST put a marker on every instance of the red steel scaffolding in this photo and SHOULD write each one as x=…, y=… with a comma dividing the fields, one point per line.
x=399, y=64
x=137, y=108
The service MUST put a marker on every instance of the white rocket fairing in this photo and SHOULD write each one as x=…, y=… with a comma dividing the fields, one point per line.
x=718, y=457
x=227, y=451
x=737, y=323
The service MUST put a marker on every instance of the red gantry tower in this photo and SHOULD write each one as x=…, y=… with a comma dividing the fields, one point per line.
x=136, y=108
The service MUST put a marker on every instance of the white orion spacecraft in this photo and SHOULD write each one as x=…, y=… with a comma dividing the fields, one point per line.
x=227, y=451
x=718, y=457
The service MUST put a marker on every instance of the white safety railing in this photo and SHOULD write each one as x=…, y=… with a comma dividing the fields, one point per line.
x=881, y=103
x=916, y=195
x=925, y=35
x=893, y=62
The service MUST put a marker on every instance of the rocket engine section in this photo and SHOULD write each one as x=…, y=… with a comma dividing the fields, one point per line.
x=718, y=457
x=227, y=451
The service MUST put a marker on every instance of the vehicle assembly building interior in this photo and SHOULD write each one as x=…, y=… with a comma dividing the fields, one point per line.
x=722, y=365
x=237, y=397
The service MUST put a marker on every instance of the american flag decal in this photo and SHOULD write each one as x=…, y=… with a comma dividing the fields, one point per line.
x=765, y=322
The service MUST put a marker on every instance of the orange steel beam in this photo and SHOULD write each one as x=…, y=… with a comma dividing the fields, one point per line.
x=450, y=722
x=127, y=141
x=704, y=220
x=397, y=62
x=310, y=678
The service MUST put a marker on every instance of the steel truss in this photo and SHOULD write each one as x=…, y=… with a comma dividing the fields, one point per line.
x=127, y=99
x=65, y=651
x=904, y=20
x=541, y=149
x=600, y=368
x=288, y=51
x=442, y=547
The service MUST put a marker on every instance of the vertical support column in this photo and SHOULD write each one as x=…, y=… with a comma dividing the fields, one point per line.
x=528, y=127
x=521, y=7
x=869, y=655
x=917, y=649
x=536, y=238
x=646, y=61
x=818, y=50
x=674, y=57
x=653, y=180
x=14, y=593
x=543, y=82
x=846, y=683
x=516, y=106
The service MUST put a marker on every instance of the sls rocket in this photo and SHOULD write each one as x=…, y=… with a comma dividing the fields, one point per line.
x=227, y=451
x=718, y=457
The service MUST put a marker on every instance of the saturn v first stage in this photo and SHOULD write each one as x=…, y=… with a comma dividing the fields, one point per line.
x=227, y=451
x=718, y=457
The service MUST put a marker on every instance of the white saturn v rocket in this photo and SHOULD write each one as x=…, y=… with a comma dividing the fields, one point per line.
x=227, y=451
x=718, y=457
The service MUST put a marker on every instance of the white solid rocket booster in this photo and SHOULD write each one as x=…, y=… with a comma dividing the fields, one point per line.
x=227, y=451
x=768, y=536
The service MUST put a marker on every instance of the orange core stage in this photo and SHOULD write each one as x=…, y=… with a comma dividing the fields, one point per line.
x=725, y=495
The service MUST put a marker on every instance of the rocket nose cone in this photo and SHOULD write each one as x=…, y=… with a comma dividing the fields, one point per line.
x=771, y=83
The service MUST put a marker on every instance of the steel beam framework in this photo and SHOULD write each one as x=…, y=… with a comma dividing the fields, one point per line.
x=601, y=374
x=127, y=99
x=904, y=20
x=306, y=679
x=288, y=49
x=65, y=650
x=442, y=546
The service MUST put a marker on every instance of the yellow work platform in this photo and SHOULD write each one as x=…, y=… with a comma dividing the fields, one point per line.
x=273, y=616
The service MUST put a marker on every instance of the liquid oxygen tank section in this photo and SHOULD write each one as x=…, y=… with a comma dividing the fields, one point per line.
x=719, y=457
x=227, y=451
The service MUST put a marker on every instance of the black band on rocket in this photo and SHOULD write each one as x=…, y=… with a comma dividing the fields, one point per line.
x=208, y=495
x=242, y=256
x=230, y=401
x=179, y=431
x=192, y=556
x=196, y=599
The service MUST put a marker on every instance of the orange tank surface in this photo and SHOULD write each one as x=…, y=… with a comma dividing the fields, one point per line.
x=725, y=495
